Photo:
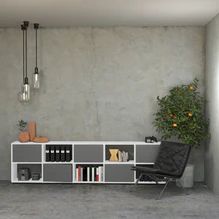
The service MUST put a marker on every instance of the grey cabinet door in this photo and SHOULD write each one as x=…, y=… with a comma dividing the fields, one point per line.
x=146, y=153
x=57, y=172
x=119, y=173
x=88, y=153
x=27, y=153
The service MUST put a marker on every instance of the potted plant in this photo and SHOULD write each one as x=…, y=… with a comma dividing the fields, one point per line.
x=180, y=115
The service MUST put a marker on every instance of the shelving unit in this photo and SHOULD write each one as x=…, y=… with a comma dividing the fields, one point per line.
x=84, y=154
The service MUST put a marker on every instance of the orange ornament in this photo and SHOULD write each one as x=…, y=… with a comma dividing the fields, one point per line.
x=190, y=114
x=174, y=125
x=191, y=87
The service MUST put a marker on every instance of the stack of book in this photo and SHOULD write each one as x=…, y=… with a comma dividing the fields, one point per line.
x=89, y=174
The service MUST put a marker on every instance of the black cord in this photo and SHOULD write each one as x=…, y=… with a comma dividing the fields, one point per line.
x=22, y=27
x=36, y=47
x=26, y=51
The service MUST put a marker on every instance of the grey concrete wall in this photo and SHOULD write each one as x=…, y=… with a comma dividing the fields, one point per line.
x=98, y=84
x=212, y=84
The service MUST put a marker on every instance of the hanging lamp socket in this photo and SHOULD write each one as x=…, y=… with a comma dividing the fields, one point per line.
x=36, y=71
x=36, y=25
x=26, y=24
x=23, y=27
x=26, y=80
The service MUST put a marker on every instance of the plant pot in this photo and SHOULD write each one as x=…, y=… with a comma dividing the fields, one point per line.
x=24, y=137
x=187, y=179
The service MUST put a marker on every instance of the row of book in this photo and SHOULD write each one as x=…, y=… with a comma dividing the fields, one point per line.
x=58, y=153
x=89, y=174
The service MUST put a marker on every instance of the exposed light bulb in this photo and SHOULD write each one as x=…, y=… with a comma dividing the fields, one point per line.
x=23, y=95
x=36, y=79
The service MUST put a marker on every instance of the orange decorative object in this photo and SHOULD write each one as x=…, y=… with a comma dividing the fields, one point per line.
x=24, y=137
x=190, y=114
x=113, y=154
x=174, y=125
x=40, y=139
x=32, y=130
x=191, y=87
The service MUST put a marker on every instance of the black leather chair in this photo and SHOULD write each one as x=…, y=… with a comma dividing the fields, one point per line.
x=170, y=163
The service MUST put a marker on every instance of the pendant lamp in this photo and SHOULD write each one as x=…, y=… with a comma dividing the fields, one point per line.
x=36, y=77
x=24, y=95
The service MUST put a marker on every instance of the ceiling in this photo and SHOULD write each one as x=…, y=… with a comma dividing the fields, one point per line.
x=65, y=13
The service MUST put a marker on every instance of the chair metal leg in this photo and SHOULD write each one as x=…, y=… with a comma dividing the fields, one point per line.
x=138, y=178
x=162, y=191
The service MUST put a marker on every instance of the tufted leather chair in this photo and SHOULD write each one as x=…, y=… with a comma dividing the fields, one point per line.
x=170, y=163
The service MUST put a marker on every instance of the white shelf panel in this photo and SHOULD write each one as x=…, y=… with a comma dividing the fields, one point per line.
x=119, y=162
x=71, y=162
x=144, y=163
x=93, y=142
x=27, y=181
x=119, y=182
x=26, y=162
x=56, y=182
x=84, y=182
x=89, y=163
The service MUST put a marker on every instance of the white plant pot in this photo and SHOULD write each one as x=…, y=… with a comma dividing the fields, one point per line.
x=187, y=179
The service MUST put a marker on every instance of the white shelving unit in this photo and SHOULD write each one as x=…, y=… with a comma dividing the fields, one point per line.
x=84, y=153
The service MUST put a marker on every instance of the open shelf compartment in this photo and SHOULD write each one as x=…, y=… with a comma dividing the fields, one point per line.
x=27, y=173
x=88, y=173
x=123, y=154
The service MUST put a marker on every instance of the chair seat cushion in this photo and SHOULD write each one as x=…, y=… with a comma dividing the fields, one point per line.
x=154, y=171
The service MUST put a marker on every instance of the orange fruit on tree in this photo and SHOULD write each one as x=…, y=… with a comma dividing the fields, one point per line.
x=190, y=114
x=191, y=87
x=174, y=125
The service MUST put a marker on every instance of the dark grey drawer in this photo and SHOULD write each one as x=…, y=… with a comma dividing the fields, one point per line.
x=57, y=172
x=27, y=153
x=146, y=153
x=88, y=153
x=119, y=173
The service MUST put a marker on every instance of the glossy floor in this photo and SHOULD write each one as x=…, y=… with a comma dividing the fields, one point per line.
x=25, y=201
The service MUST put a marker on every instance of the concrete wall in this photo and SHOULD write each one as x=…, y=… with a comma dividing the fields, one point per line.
x=212, y=84
x=98, y=84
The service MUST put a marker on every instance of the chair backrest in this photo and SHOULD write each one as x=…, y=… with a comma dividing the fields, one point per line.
x=172, y=158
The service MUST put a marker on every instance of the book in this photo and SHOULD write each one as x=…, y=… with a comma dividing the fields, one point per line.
x=47, y=153
x=79, y=173
x=52, y=153
x=76, y=175
x=62, y=157
x=100, y=173
x=93, y=174
x=67, y=154
x=97, y=174
x=88, y=174
x=57, y=154
x=82, y=174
